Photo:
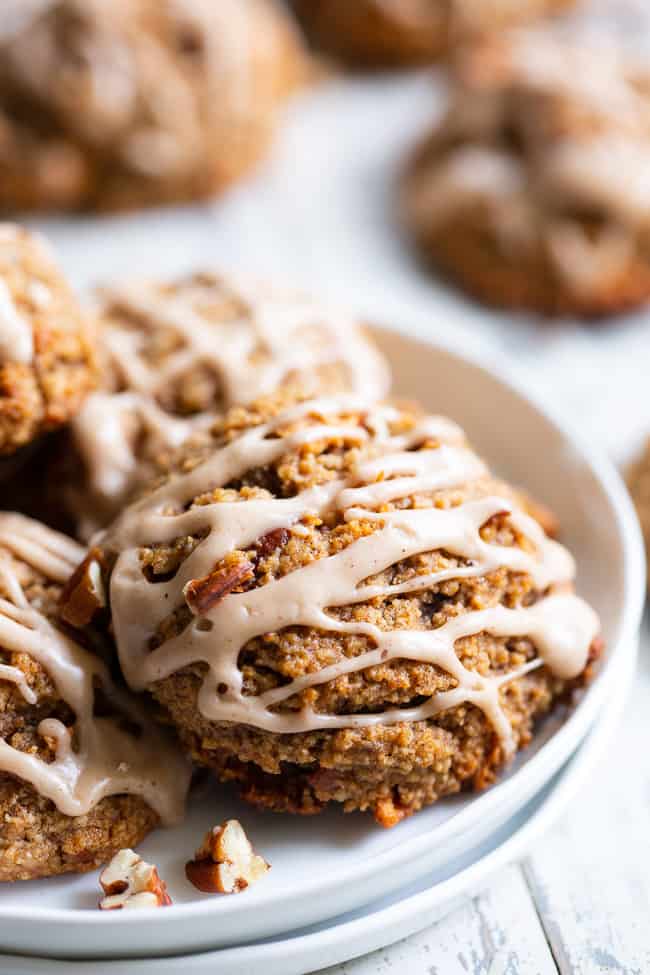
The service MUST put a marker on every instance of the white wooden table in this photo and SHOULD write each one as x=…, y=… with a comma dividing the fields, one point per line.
x=320, y=215
x=579, y=904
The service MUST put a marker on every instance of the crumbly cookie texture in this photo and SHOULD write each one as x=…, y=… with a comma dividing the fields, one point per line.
x=399, y=33
x=139, y=102
x=518, y=193
x=334, y=601
x=39, y=841
x=47, y=363
x=177, y=354
x=82, y=773
x=638, y=481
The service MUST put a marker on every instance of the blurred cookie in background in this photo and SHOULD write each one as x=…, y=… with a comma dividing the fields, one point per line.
x=403, y=33
x=532, y=191
x=138, y=102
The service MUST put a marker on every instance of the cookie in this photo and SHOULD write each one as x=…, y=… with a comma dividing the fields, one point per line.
x=138, y=102
x=47, y=364
x=530, y=191
x=82, y=772
x=403, y=33
x=175, y=355
x=335, y=601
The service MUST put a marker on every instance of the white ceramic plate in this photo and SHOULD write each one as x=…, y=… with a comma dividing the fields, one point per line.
x=331, y=864
x=392, y=918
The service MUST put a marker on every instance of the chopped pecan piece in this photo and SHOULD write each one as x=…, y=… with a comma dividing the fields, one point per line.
x=272, y=540
x=128, y=882
x=201, y=595
x=225, y=863
x=84, y=593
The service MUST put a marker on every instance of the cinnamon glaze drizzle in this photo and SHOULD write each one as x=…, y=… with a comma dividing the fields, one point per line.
x=560, y=624
x=97, y=757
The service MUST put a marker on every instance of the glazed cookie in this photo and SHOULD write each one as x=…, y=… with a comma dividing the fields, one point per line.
x=47, y=365
x=82, y=773
x=176, y=355
x=137, y=102
x=334, y=601
x=531, y=192
x=399, y=33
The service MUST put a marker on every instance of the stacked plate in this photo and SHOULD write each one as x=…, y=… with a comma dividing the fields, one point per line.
x=339, y=885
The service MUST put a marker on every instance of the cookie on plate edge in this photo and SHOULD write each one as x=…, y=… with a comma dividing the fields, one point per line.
x=335, y=601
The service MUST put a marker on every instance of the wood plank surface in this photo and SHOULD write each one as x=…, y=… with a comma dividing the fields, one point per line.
x=580, y=902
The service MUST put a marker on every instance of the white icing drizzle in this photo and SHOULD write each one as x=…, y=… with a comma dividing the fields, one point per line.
x=16, y=676
x=561, y=625
x=16, y=330
x=278, y=334
x=16, y=339
x=107, y=427
x=106, y=759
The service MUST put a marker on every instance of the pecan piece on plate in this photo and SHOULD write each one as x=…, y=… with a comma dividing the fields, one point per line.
x=225, y=863
x=129, y=882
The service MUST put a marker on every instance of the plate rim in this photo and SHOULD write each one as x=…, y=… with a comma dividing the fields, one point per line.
x=562, y=743
x=570, y=779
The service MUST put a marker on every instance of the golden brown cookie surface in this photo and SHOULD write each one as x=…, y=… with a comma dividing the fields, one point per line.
x=518, y=193
x=400, y=33
x=337, y=602
x=47, y=364
x=137, y=102
x=176, y=354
